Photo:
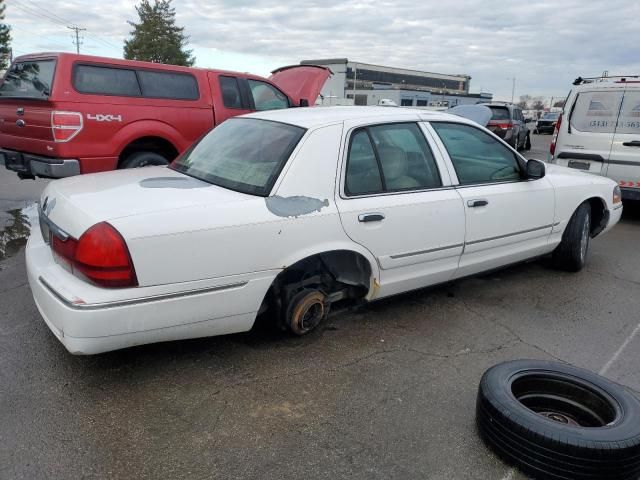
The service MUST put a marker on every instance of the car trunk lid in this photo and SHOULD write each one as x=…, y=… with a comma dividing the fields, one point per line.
x=301, y=82
x=76, y=203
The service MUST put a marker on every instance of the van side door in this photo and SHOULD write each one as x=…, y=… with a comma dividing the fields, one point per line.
x=624, y=160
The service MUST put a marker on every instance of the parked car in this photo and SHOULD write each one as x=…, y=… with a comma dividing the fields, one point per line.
x=599, y=131
x=63, y=114
x=286, y=212
x=508, y=123
x=547, y=122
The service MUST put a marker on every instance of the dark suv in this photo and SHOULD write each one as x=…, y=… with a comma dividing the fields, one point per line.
x=508, y=123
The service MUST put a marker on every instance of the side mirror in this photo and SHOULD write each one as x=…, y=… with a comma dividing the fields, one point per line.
x=304, y=102
x=536, y=169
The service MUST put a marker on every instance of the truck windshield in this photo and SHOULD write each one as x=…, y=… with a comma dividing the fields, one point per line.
x=32, y=79
x=242, y=154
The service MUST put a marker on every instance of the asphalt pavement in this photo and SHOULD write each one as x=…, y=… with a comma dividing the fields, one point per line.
x=384, y=391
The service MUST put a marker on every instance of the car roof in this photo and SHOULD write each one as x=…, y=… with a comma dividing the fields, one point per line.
x=311, y=117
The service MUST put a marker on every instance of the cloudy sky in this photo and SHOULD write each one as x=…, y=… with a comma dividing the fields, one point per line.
x=544, y=44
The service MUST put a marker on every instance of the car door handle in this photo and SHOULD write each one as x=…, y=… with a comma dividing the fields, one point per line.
x=634, y=143
x=477, y=203
x=371, y=217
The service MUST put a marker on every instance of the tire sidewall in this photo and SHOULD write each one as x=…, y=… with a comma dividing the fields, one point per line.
x=496, y=387
x=144, y=159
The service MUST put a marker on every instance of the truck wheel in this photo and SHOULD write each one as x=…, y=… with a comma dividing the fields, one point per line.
x=571, y=254
x=306, y=310
x=556, y=421
x=144, y=159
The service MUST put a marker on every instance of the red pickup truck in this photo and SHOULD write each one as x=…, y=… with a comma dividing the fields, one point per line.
x=64, y=114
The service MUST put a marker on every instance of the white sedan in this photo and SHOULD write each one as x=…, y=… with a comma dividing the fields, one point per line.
x=288, y=211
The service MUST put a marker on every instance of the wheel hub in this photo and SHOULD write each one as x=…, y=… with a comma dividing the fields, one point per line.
x=560, y=418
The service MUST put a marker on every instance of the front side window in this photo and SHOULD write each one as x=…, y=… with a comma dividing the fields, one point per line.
x=106, y=81
x=29, y=79
x=390, y=158
x=267, y=97
x=406, y=102
x=596, y=112
x=241, y=154
x=476, y=156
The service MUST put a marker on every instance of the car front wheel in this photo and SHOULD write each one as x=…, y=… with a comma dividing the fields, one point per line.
x=571, y=254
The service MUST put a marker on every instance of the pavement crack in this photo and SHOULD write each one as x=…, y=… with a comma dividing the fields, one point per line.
x=15, y=287
x=511, y=331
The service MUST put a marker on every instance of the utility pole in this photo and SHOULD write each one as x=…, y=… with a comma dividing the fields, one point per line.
x=513, y=89
x=77, y=30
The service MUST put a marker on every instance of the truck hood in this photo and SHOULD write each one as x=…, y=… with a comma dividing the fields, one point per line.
x=76, y=203
x=301, y=81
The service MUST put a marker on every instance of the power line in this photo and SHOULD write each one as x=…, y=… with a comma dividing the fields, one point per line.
x=52, y=17
x=77, y=41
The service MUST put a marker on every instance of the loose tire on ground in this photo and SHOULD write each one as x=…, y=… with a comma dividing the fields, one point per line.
x=556, y=421
x=144, y=159
x=305, y=311
x=571, y=254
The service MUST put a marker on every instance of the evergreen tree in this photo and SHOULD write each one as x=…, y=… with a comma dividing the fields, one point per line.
x=157, y=38
x=5, y=40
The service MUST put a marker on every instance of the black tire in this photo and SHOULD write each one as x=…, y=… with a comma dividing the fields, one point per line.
x=527, y=142
x=604, y=443
x=571, y=254
x=144, y=159
x=305, y=311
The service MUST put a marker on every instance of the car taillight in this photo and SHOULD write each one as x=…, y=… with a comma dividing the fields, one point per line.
x=65, y=125
x=503, y=126
x=100, y=256
x=552, y=147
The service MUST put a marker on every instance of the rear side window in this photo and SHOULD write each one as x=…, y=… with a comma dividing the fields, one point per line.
x=476, y=156
x=629, y=121
x=596, y=111
x=390, y=158
x=266, y=97
x=177, y=86
x=29, y=79
x=106, y=81
x=230, y=92
x=499, y=113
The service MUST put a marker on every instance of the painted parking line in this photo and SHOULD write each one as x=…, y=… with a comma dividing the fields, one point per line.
x=620, y=350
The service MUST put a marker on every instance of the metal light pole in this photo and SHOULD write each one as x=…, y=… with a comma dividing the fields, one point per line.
x=513, y=89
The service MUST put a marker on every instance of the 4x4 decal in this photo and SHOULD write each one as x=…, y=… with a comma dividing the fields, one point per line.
x=99, y=117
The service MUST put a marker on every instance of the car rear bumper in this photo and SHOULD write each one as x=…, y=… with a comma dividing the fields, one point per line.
x=630, y=194
x=89, y=320
x=27, y=165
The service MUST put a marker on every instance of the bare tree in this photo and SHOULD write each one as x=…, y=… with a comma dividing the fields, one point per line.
x=524, y=102
x=537, y=104
x=559, y=103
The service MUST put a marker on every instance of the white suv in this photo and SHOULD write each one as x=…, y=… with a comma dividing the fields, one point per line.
x=599, y=131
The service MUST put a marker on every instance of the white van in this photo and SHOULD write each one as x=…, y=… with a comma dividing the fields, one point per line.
x=599, y=131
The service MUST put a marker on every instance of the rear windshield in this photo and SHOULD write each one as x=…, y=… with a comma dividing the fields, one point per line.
x=242, y=154
x=499, y=113
x=550, y=116
x=31, y=79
